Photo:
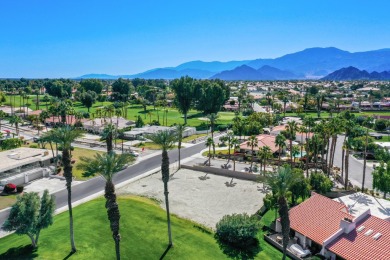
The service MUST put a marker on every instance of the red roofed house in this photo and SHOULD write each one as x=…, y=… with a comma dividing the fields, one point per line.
x=262, y=140
x=327, y=223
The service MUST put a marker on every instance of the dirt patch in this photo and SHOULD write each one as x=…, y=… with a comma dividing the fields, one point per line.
x=202, y=198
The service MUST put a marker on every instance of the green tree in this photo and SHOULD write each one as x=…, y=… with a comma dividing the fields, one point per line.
x=320, y=183
x=11, y=143
x=381, y=178
x=29, y=215
x=184, y=94
x=107, y=165
x=209, y=143
x=179, y=131
x=2, y=116
x=300, y=187
x=139, y=122
x=252, y=142
x=280, y=182
x=88, y=99
x=94, y=85
x=64, y=136
x=121, y=89
x=108, y=135
x=59, y=88
x=15, y=120
x=291, y=128
x=213, y=119
x=211, y=95
x=280, y=142
x=165, y=139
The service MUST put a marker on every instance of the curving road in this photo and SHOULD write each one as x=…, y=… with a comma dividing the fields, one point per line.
x=96, y=184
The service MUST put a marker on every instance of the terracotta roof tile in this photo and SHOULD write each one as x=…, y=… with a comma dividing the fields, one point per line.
x=356, y=245
x=318, y=217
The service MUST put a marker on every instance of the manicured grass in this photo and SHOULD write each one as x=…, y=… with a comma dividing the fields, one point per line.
x=384, y=139
x=76, y=154
x=192, y=137
x=7, y=201
x=143, y=231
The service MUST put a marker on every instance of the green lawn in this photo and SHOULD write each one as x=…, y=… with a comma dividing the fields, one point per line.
x=7, y=201
x=384, y=139
x=143, y=232
x=76, y=154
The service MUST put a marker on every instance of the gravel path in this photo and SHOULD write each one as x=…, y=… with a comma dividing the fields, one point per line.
x=203, y=200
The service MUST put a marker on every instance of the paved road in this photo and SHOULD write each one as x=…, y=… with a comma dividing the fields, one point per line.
x=355, y=167
x=96, y=184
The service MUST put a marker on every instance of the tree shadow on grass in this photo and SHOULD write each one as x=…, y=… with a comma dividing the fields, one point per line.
x=165, y=252
x=251, y=249
x=21, y=252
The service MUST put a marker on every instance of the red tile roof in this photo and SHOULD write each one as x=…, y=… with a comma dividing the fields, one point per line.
x=318, y=217
x=263, y=140
x=356, y=245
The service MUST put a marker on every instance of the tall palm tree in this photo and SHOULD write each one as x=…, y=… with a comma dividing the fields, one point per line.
x=179, y=131
x=266, y=154
x=107, y=165
x=213, y=119
x=291, y=128
x=280, y=182
x=2, y=116
x=252, y=142
x=228, y=138
x=235, y=143
x=109, y=111
x=108, y=135
x=15, y=120
x=64, y=136
x=280, y=142
x=165, y=139
x=209, y=143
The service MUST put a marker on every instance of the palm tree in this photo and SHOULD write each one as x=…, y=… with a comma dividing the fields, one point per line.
x=228, y=137
x=15, y=120
x=64, y=136
x=108, y=135
x=165, y=139
x=266, y=155
x=179, y=131
x=235, y=143
x=209, y=143
x=280, y=182
x=252, y=142
x=107, y=165
x=2, y=116
x=291, y=128
x=280, y=141
x=213, y=119
x=109, y=111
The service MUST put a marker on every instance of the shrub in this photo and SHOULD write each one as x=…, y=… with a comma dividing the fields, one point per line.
x=33, y=146
x=9, y=188
x=238, y=230
x=222, y=127
x=19, y=188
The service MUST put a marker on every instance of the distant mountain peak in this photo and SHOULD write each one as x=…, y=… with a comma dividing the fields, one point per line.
x=353, y=73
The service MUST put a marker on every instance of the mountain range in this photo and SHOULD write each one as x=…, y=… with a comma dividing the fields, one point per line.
x=309, y=63
x=352, y=73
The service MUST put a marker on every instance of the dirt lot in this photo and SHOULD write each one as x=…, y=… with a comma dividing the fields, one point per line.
x=203, y=199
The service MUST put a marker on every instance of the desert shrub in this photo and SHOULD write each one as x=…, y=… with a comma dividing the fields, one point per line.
x=222, y=127
x=238, y=230
x=33, y=146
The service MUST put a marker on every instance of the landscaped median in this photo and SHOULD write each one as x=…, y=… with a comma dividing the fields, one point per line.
x=143, y=231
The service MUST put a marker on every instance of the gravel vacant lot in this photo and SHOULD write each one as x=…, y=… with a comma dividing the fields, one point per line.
x=203, y=200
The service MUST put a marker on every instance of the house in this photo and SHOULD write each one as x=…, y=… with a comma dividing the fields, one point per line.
x=21, y=165
x=262, y=140
x=299, y=136
x=70, y=120
x=97, y=125
x=339, y=233
x=138, y=133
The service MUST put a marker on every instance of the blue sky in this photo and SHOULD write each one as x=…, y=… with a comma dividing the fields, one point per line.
x=46, y=38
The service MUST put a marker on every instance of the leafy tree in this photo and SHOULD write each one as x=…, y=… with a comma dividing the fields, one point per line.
x=381, y=178
x=184, y=94
x=121, y=89
x=210, y=96
x=280, y=142
x=301, y=187
x=29, y=215
x=280, y=182
x=64, y=136
x=238, y=230
x=94, y=85
x=139, y=122
x=320, y=183
x=59, y=88
x=165, y=139
x=107, y=165
x=88, y=99
x=11, y=143
x=380, y=124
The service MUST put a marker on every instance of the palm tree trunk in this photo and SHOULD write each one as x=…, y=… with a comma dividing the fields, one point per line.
x=113, y=215
x=66, y=161
x=285, y=222
x=346, y=168
x=291, y=155
x=365, y=161
x=165, y=178
x=179, y=154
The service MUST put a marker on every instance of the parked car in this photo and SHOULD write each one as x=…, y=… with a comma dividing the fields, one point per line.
x=134, y=153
